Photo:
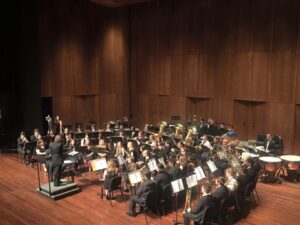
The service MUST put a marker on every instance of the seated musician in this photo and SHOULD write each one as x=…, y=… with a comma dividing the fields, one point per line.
x=270, y=144
x=145, y=187
x=221, y=129
x=109, y=173
x=205, y=201
x=243, y=180
x=140, y=137
x=151, y=141
x=20, y=143
x=85, y=141
x=131, y=166
x=131, y=150
x=221, y=163
x=36, y=135
x=173, y=170
x=231, y=137
x=162, y=178
x=120, y=150
x=184, y=154
x=211, y=128
x=221, y=191
x=102, y=148
x=145, y=157
x=93, y=128
x=231, y=183
x=108, y=128
x=40, y=151
x=201, y=127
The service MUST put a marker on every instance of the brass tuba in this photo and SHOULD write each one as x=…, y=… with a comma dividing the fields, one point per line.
x=179, y=131
x=162, y=127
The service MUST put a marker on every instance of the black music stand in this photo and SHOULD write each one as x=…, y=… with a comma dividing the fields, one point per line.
x=177, y=186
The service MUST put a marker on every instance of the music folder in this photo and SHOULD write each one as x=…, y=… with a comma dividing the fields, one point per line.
x=152, y=164
x=199, y=173
x=211, y=165
x=98, y=164
x=191, y=181
x=73, y=153
x=177, y=186
x=162, y=161
x=135, y=177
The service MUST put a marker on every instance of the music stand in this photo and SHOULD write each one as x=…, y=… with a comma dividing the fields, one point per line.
x=177, y=186
x=152, y=164
x=98, y=164
x=199, y=173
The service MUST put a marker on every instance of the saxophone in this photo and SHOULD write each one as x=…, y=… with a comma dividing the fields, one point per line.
x=187, y=200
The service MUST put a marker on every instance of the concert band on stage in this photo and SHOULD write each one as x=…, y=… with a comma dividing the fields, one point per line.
x=162, y=153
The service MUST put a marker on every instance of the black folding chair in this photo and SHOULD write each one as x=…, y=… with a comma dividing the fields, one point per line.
x=115, y=184
x=151, y=203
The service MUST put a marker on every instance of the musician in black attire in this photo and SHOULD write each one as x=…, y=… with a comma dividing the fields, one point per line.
x=201, y=128
x=36, y=135
x=243, y=180
x=211, y=128
x=205, y=201
x=222, y=130
x=146, y=187
x=173, y=170
x=56, y=152
x=270, y=144
x=21, y=141
x=221, y=192
x=162, y=178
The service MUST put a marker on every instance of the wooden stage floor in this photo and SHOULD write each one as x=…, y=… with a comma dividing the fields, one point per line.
x=20, y=204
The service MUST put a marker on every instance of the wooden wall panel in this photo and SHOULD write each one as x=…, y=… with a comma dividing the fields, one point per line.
x=241, y=76
x=62, y=76
x=222, y=110
x=297, y=130
x=285, y=27
x=222, y=76
x=177, y=82
x=241, y=114
x=178, y=107
x=191, y=66
x=205, y=84
x=282, y=79
x=281, y=119
x=260, y=76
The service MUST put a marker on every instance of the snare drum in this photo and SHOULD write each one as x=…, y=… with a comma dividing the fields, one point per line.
x=270, y=164
x=292, y=161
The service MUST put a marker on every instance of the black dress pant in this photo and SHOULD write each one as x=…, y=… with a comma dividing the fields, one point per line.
x=132, y=203
x=57, y=171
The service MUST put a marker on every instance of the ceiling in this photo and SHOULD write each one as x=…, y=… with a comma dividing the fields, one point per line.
x=116, y=3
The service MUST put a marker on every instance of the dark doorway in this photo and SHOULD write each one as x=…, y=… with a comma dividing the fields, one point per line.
x=46, y=110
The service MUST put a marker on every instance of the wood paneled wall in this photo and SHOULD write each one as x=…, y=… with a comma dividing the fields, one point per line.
x=236, y=61
x=84, y=60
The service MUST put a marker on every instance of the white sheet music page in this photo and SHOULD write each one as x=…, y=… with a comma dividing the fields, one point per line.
x=199, y=173
x=135, y=177
x=99, y=164
x=152, y=164
x=191, y=181
x=177, y=185
x=211, y=165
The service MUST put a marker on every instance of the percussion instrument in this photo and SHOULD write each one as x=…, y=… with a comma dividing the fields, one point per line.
x=270, y=164
x=292, y=162
x=260, y=149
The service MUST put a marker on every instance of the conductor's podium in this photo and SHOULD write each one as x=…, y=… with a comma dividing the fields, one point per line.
x=65, y=189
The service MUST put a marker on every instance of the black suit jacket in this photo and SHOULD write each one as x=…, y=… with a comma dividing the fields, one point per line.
x=243, y=181
x=146, y=187
x=271, y=147
x=203, y=202
x=56, y=151
x=221, y=193
x=174, y=172
x=211, y=130
x=162, y=179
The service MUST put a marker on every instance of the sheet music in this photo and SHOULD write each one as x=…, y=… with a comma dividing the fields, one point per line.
x=191, y=181
x=72, y=153
x=98, y=164
x=152, y=164
x=177, y=185
x=199, y=173
x=135, y=177
x=211, y=166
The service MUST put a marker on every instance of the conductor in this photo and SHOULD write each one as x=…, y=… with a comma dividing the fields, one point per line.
x=56, y=151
